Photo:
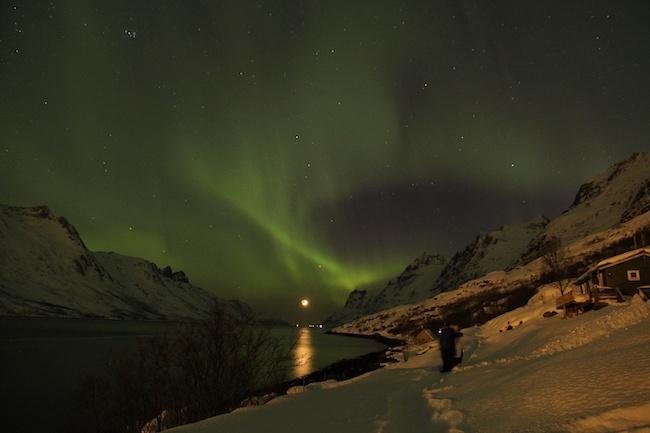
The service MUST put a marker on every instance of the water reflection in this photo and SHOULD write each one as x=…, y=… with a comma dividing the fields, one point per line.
x=303, y=354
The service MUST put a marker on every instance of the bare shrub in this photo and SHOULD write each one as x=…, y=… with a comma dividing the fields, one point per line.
x=555, y=262
x=92, y=397
x=203, y=369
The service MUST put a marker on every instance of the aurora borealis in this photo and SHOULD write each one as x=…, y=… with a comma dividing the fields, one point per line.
x=276, y=150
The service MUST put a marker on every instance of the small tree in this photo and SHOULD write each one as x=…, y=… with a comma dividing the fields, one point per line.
x=555, y=262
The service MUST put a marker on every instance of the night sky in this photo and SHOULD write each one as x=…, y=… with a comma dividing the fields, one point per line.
x=284, y=149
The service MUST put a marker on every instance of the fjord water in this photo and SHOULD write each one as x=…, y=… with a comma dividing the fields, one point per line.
x=42, y=361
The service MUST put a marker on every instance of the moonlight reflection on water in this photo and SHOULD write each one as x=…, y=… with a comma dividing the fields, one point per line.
x=303, y=354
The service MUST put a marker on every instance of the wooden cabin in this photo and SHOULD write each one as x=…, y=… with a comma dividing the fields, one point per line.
x=622, y=275
x=424, y=336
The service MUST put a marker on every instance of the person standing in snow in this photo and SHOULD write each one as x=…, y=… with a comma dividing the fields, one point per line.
x=447, y=340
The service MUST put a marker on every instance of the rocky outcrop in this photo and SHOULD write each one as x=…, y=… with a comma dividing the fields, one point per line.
x=639, y=204
x=585, y=192
x=178, y=276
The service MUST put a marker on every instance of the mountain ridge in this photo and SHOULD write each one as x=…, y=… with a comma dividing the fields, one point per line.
x=47, y=270
x=615, y=196
x=411, y=285
x=493, y=294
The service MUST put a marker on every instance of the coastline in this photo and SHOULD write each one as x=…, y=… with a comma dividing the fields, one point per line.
x=390, y=342
x=343, y=369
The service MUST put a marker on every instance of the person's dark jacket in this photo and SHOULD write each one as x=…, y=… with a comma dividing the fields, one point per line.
x=447, y=337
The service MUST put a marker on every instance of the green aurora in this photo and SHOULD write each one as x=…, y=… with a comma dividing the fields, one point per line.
x=279, y=150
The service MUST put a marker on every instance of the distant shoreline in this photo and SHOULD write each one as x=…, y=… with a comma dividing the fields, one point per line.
x=341, y=370
x=390, y=342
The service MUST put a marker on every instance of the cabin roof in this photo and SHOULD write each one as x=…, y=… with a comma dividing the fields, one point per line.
x=424, y=335
x=621, y=258
x=612, y=261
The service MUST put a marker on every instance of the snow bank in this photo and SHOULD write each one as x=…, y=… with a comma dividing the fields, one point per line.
x=632, y=419
x=584, y=374
x=615, y=319
x=442, y=410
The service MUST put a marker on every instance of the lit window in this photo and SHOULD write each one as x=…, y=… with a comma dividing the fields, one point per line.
x=633, y=275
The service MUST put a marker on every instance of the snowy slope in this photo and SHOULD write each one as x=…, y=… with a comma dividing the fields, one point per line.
x=478, y=300
x=494, y=251
x=616, y=196
x=582, y=375
x=619, y=194
x=429, y=275
x=414, y=284
x=355, y=306
x=46, y=270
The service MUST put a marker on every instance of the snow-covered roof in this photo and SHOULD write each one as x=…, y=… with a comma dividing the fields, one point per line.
x=424, y=336
x=623, y=258
x=611, y=261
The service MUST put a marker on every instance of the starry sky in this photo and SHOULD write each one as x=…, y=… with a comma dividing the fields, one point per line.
x=276, y=150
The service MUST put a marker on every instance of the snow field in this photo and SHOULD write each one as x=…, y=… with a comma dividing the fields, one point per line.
x=583, y=374
x=587, y=374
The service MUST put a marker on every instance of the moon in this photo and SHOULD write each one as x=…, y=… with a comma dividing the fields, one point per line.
x=304, y=302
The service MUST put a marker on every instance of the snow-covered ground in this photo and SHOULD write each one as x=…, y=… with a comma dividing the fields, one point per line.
x=587, y=374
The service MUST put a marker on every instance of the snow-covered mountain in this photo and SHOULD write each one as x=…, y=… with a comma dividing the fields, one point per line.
x=429, y=275
x=355, y=306
x=611, y=199
x=481, y=299
x=615, y=196
x=494, y=251
x=412, y=285
x=46, y=270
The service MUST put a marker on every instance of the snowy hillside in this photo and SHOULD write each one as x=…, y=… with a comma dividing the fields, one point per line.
x=46, y=270
x=355, y=306
x=619, y=194
x=412, y=285
x=429, y=275
x=582, y=375
x=494, y=251
x=480, y=299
